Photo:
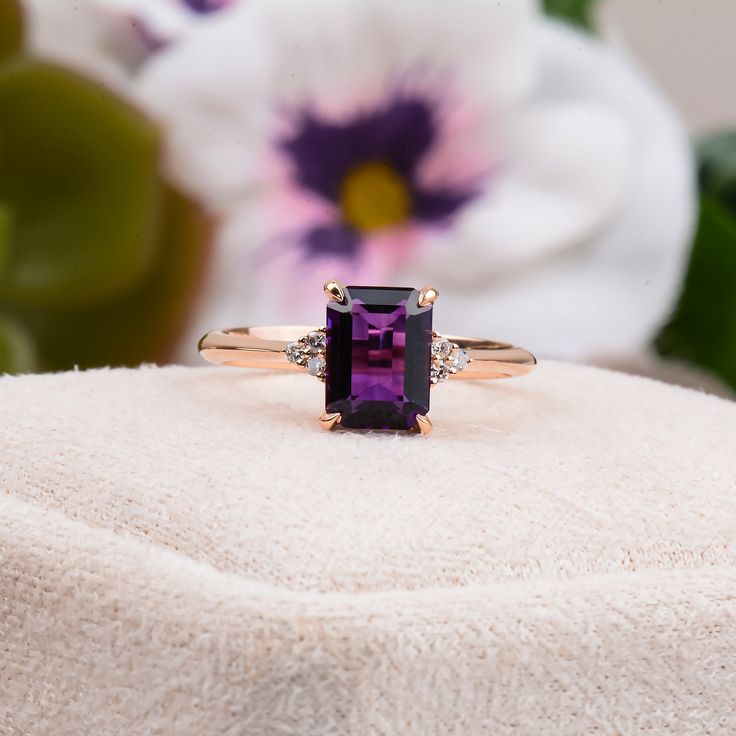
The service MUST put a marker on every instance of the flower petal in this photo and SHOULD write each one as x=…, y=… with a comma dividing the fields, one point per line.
x=562, y=180
x=85, y=37
x=166, y=20
x=608, y=294
x=336, y=240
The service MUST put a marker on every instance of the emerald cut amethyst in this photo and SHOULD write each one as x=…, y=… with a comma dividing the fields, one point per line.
x=379, y=346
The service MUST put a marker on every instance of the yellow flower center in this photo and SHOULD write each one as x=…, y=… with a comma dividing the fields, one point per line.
x=374, y=196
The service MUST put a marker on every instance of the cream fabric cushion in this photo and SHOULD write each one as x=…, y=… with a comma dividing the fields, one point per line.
x=184, y=551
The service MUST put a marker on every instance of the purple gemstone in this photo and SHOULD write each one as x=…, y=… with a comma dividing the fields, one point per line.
x=378, y=355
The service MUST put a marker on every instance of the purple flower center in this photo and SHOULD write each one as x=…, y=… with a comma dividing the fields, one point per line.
x=205, y=6
x=368, y=167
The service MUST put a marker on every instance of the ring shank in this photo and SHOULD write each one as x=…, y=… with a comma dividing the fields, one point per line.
x=490, y=359
x=263, y=347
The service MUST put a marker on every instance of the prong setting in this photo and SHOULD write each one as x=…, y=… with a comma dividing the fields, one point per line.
x=423, y=425
x=428, y=295
x=335, y=292
x=330, y=420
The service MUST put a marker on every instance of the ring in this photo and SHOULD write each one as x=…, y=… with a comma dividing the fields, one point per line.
x=377, y=356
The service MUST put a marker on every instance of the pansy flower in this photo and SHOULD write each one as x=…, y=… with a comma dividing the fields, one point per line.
x=528, y=170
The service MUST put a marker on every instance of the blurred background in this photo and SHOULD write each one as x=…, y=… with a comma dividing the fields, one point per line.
x=564, y=172
x=687, y=48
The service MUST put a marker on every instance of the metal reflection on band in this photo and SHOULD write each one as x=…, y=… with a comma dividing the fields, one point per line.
x=265, y=347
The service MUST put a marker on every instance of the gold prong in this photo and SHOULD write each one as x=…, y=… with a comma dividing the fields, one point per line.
x=423, y=424
x=427, y=295
x=330, y=421
x=335, y=292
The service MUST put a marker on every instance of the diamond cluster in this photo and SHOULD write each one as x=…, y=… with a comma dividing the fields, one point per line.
x=447, y=359
x=309, y=351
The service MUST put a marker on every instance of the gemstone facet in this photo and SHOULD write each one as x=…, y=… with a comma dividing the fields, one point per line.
x=316, y=342
x=438, y=372
x=294, y=353
x=441, y=348
x=378, y=355
x=316, y=366
x=458, y=360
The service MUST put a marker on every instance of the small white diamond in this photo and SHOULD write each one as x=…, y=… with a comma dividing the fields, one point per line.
x=458, y=360
x=316, y=341
x=316, y=367
x=294, y=352
x=441, y=348
x=438, y=373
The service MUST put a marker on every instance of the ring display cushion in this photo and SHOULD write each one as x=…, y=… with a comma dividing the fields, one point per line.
x=184, y=551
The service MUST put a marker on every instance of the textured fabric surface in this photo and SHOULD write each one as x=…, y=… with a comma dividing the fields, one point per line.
x=184, y=551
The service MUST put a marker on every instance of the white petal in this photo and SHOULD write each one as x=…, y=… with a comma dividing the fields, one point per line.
x=332, y=45
x=612, y=293
x=561, y=181
x=248, y=282
x=212, y=96
x=164, y=20
x=86, y=38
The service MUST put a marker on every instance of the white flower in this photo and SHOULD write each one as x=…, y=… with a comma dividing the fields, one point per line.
x=526, y=170
x=112, y=39
x=166, y=21
x=82, y=36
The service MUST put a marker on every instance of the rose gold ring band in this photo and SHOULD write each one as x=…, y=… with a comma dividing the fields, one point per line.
x=265, y=347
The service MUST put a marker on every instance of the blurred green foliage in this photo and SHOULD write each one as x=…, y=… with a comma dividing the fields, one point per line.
x=577, y=12
x=99, y=257
x=703, y=327
x=17, y=351
x=717, y=168
x=142, y=324
x=78, y=177
x=11, y=28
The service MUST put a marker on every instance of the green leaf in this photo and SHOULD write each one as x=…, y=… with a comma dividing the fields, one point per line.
x=17, y=351
x=11, y=28
x=5, y=222
x=576, y=12
x=143, y=325
x=717, y=159
x=703, y=328
x=78, y=170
